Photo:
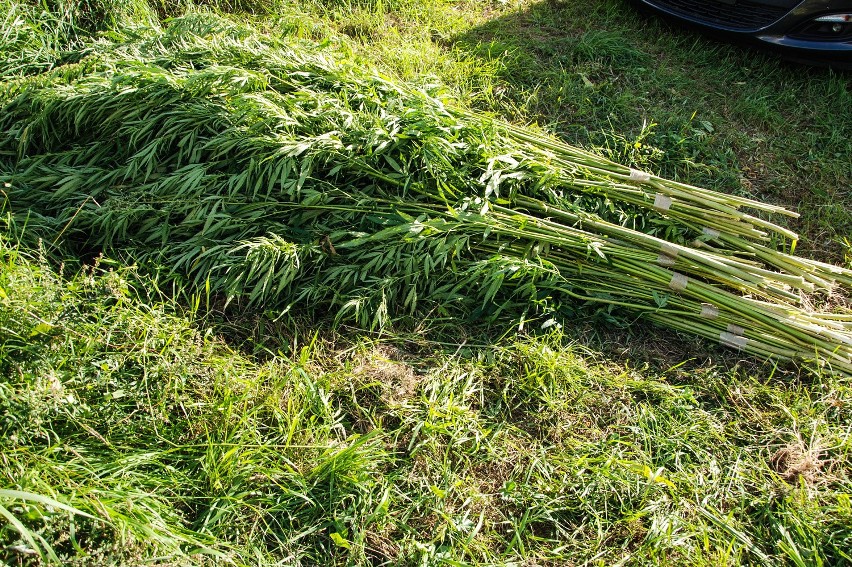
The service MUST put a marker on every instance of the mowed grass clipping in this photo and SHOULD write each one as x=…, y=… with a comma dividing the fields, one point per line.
x=132, y=434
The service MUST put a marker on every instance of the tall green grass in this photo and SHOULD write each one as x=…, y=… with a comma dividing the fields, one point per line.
x=128, y=434
x=132, y=434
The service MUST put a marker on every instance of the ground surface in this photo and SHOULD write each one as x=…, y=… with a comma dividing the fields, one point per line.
x=191, y=436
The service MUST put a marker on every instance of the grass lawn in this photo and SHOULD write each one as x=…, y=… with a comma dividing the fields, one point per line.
x=140, y=426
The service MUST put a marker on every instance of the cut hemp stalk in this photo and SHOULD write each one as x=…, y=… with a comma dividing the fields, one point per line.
x=279, y=175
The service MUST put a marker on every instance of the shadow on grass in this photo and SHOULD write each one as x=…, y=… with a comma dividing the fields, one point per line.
x=600, y=74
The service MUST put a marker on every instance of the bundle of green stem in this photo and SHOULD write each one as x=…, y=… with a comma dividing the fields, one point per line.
x=277, y=175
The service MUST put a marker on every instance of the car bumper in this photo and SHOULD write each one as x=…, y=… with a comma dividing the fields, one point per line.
x=838, y=55
x=781, y=25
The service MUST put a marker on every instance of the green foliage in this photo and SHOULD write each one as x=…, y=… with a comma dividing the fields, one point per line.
x=89, y=16
x=156, y=439
x=540, y=70
x=275, y=174
x=323, y=449
x=132, y=433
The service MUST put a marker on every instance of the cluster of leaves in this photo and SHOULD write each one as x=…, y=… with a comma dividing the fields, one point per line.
x=271, y=173
x=247, y=167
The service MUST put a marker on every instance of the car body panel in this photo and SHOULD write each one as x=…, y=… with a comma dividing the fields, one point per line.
x=785, y=25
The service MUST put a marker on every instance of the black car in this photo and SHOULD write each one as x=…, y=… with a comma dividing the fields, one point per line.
x=807, y=30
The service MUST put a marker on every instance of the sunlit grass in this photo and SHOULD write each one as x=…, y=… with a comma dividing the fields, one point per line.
x=142, y=426
x=160, y=441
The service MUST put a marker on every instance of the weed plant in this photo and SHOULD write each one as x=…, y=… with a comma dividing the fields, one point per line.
x=274, y=175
